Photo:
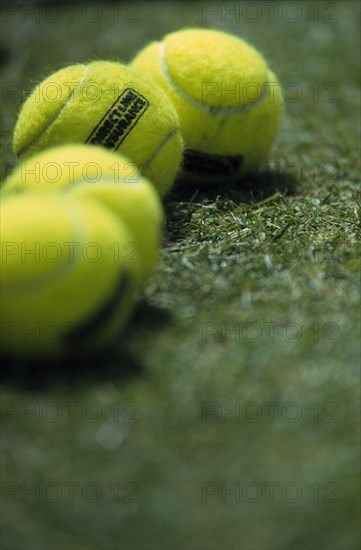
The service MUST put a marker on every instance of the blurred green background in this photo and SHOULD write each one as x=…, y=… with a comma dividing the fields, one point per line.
x=227, y=416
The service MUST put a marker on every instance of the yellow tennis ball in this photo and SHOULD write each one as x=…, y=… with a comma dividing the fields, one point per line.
x=229, y=102
x=109, y=104
x=108, y=177
x=66, y=284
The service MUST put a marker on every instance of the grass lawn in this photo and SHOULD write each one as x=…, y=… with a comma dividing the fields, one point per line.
x=227, y=416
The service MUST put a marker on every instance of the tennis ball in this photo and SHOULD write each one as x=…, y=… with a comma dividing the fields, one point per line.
x=109, y=104
x=229, y=102
x=67, y=284
x=112, y=179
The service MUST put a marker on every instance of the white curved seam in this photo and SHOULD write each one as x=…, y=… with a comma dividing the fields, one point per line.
x=199, y=104
x=157, y=151
x=57, y=114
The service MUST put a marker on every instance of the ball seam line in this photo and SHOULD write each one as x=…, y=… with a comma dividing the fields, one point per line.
x=199, y=104
x=57, y=114
x=157, y=151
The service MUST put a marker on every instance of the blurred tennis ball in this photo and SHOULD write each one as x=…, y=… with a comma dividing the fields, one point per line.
x=110, y=178
x=66, y=280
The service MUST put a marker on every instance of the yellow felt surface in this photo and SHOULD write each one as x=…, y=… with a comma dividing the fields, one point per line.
x=46, y=101
x=233, y=103
x=112, y=179
x=69, y=105
x=58, y=268
x=141, y=211
x=193, y=56
x=57, y=167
